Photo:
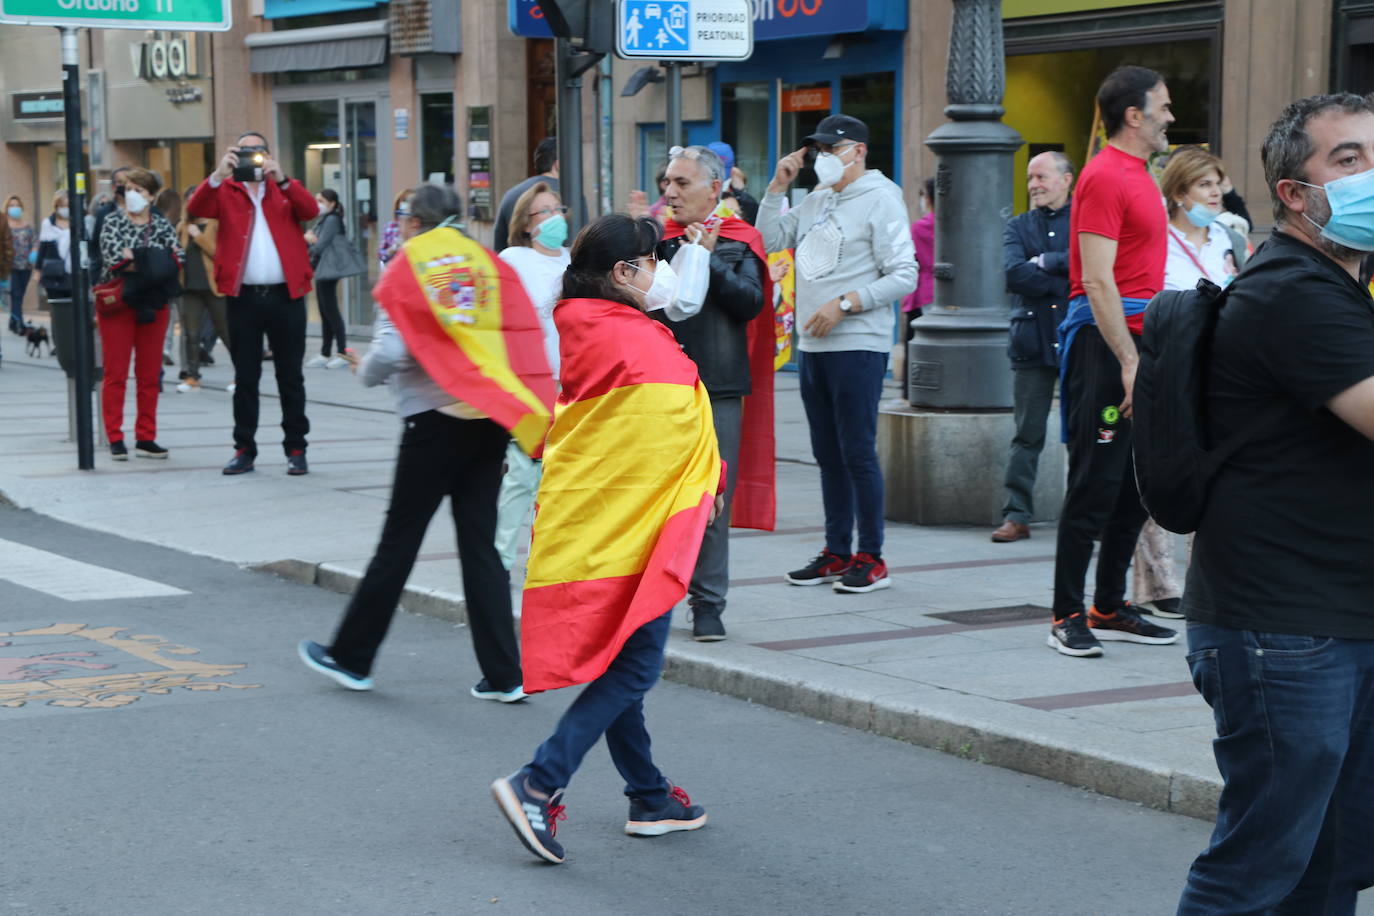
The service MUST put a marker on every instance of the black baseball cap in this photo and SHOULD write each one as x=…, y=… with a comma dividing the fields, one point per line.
x=839, y=127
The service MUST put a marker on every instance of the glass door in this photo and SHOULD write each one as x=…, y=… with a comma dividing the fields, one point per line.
x=364, y=203
x=801, y=108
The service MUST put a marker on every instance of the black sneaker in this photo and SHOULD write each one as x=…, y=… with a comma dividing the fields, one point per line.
x=295, y=463
x=532, y=814
x=317, y=656
x=706, y=626
x=825, y=568
x=866, y=573
x=119, y=451
x=147, y=448
x=1171, y=608
x=1071, y=636
x=1125, y=625
x=677, y=814
x=241, y=463
x=483, y=690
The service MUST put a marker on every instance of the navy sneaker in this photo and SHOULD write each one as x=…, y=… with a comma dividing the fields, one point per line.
x=483, y=690
x=241, y=463
x=706, y=626
x=1071, y=636
x=533, y=814
x=677, y=814
x=1171, y=608
x=119, y=451
x=827, y=567
x=317, y=656
x=295, y=463
x=1124, y=624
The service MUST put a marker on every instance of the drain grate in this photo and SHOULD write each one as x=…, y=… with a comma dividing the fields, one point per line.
x=985, y=616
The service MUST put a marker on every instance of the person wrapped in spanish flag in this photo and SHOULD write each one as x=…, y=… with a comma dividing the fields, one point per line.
x=460, y=344
x=632, y=477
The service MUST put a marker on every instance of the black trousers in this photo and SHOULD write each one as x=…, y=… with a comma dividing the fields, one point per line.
x=1101, y=498
x=464, y=460
x=332, y=327
x=269, y=310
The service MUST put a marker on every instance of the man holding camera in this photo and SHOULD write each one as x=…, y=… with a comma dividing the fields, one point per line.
x=262, y=265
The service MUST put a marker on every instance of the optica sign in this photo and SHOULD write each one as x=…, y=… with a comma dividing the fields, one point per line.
x=526, y=19
x=797, y=18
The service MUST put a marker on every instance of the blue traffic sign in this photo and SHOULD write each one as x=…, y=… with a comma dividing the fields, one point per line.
x=685, y=29
x=526, y=19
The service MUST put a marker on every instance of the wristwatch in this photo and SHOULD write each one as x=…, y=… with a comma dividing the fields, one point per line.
x=846, y=306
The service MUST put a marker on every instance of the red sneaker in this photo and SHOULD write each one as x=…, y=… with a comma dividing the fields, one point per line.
x=826, y=567
x=866, y=573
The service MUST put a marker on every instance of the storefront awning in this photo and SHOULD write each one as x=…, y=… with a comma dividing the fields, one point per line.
x=330, y=47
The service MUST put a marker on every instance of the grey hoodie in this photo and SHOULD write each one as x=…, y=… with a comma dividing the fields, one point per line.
x=859, y=239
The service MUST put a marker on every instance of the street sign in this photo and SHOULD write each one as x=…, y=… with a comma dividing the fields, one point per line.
x=684, y=29
x=526, y=19
x=172, y=15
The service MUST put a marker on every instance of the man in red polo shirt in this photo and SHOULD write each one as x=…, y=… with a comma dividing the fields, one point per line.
x=1117, y=248
x=262, y=264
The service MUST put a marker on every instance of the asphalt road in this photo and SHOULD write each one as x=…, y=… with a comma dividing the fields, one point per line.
x=134, y=786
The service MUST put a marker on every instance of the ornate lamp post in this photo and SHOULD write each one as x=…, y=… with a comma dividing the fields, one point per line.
x=957, y=356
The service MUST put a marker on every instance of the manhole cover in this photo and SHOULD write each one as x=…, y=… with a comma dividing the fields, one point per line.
x=990, y=615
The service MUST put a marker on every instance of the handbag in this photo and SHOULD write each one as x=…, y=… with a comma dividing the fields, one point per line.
x=109, y=296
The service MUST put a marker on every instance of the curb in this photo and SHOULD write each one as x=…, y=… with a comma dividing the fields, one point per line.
x=881, y=706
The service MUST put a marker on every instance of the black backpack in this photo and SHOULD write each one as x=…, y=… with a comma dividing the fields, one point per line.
x=1174, y=461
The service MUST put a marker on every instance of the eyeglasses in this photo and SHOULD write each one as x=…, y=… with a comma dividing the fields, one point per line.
x=549, y=211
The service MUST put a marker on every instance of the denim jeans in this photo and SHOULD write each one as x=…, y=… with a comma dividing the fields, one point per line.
x=840, y=392
x=612, y=705
x=1295, y=746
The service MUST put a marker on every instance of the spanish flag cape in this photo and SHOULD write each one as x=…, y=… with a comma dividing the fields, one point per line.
x=466, y=319
x=631, y=471
x=755, y=503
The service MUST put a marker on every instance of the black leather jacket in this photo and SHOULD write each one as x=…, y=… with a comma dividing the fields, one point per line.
x=717, y=338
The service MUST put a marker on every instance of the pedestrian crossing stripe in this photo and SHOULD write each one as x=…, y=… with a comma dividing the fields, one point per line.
x=72, y=580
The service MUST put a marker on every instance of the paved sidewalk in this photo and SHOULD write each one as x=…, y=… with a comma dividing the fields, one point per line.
x=949, y=657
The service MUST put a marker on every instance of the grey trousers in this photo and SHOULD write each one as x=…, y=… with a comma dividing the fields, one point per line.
x=1032, y=393
x=711, y=578
x=195, y=306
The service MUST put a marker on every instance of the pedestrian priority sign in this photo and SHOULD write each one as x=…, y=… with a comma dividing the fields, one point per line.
x=685, y=29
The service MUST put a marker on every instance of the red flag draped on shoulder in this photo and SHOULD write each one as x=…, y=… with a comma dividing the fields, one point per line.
x=631, y=471
x=466, y=319
x=755, y=502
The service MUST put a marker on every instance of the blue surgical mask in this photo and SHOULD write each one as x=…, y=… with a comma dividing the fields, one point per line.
x=552, y=232
x=1352, y=211
x=1201, y=215
x=15, y=212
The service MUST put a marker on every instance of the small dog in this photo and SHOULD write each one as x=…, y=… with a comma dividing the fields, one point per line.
x=37, y=336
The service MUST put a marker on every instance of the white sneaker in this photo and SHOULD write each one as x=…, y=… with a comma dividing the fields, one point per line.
x=336, y=362
x=230, y=387
x=317, y=362
x=188, y=385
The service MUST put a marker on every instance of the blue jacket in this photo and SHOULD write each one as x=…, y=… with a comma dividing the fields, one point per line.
x=1039, y=296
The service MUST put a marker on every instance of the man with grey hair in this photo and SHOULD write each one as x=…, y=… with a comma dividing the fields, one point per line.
x=1035, y=256
x=717, y=340
x=1280, y=630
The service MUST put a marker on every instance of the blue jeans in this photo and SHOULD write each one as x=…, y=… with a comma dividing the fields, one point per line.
x=840, y=392
x=612, y=705
x=19, y=285
x=1295, y=746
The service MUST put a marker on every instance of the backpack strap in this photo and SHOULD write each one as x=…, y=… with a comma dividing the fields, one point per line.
x=1217, y=457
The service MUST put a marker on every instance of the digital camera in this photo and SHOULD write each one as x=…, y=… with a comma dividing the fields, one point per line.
x=250, y=163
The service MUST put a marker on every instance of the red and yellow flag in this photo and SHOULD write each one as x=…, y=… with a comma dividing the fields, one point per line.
x=631, y=470
x=466, y=319
x=755, y=503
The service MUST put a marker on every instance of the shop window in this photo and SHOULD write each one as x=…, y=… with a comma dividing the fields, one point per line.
x=872, y=98
x=1050, y=96
x=436, y=136
x=651, y=157
x=744, y=125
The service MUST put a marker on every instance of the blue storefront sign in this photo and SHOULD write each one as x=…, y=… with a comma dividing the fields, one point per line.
x=774, y=19
x=282, y=9
x=527, y=20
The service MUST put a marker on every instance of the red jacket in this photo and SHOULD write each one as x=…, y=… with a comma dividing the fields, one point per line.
x=285, y=210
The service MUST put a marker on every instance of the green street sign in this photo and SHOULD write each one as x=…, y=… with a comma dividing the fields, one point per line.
x=172, y=15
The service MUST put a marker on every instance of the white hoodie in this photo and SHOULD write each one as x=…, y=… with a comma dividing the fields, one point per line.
x=858, y=239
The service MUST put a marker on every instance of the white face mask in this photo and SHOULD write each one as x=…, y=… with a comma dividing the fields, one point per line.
x=64, y=212
x=664, y=289
x=135, y=202
x=830, y=169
